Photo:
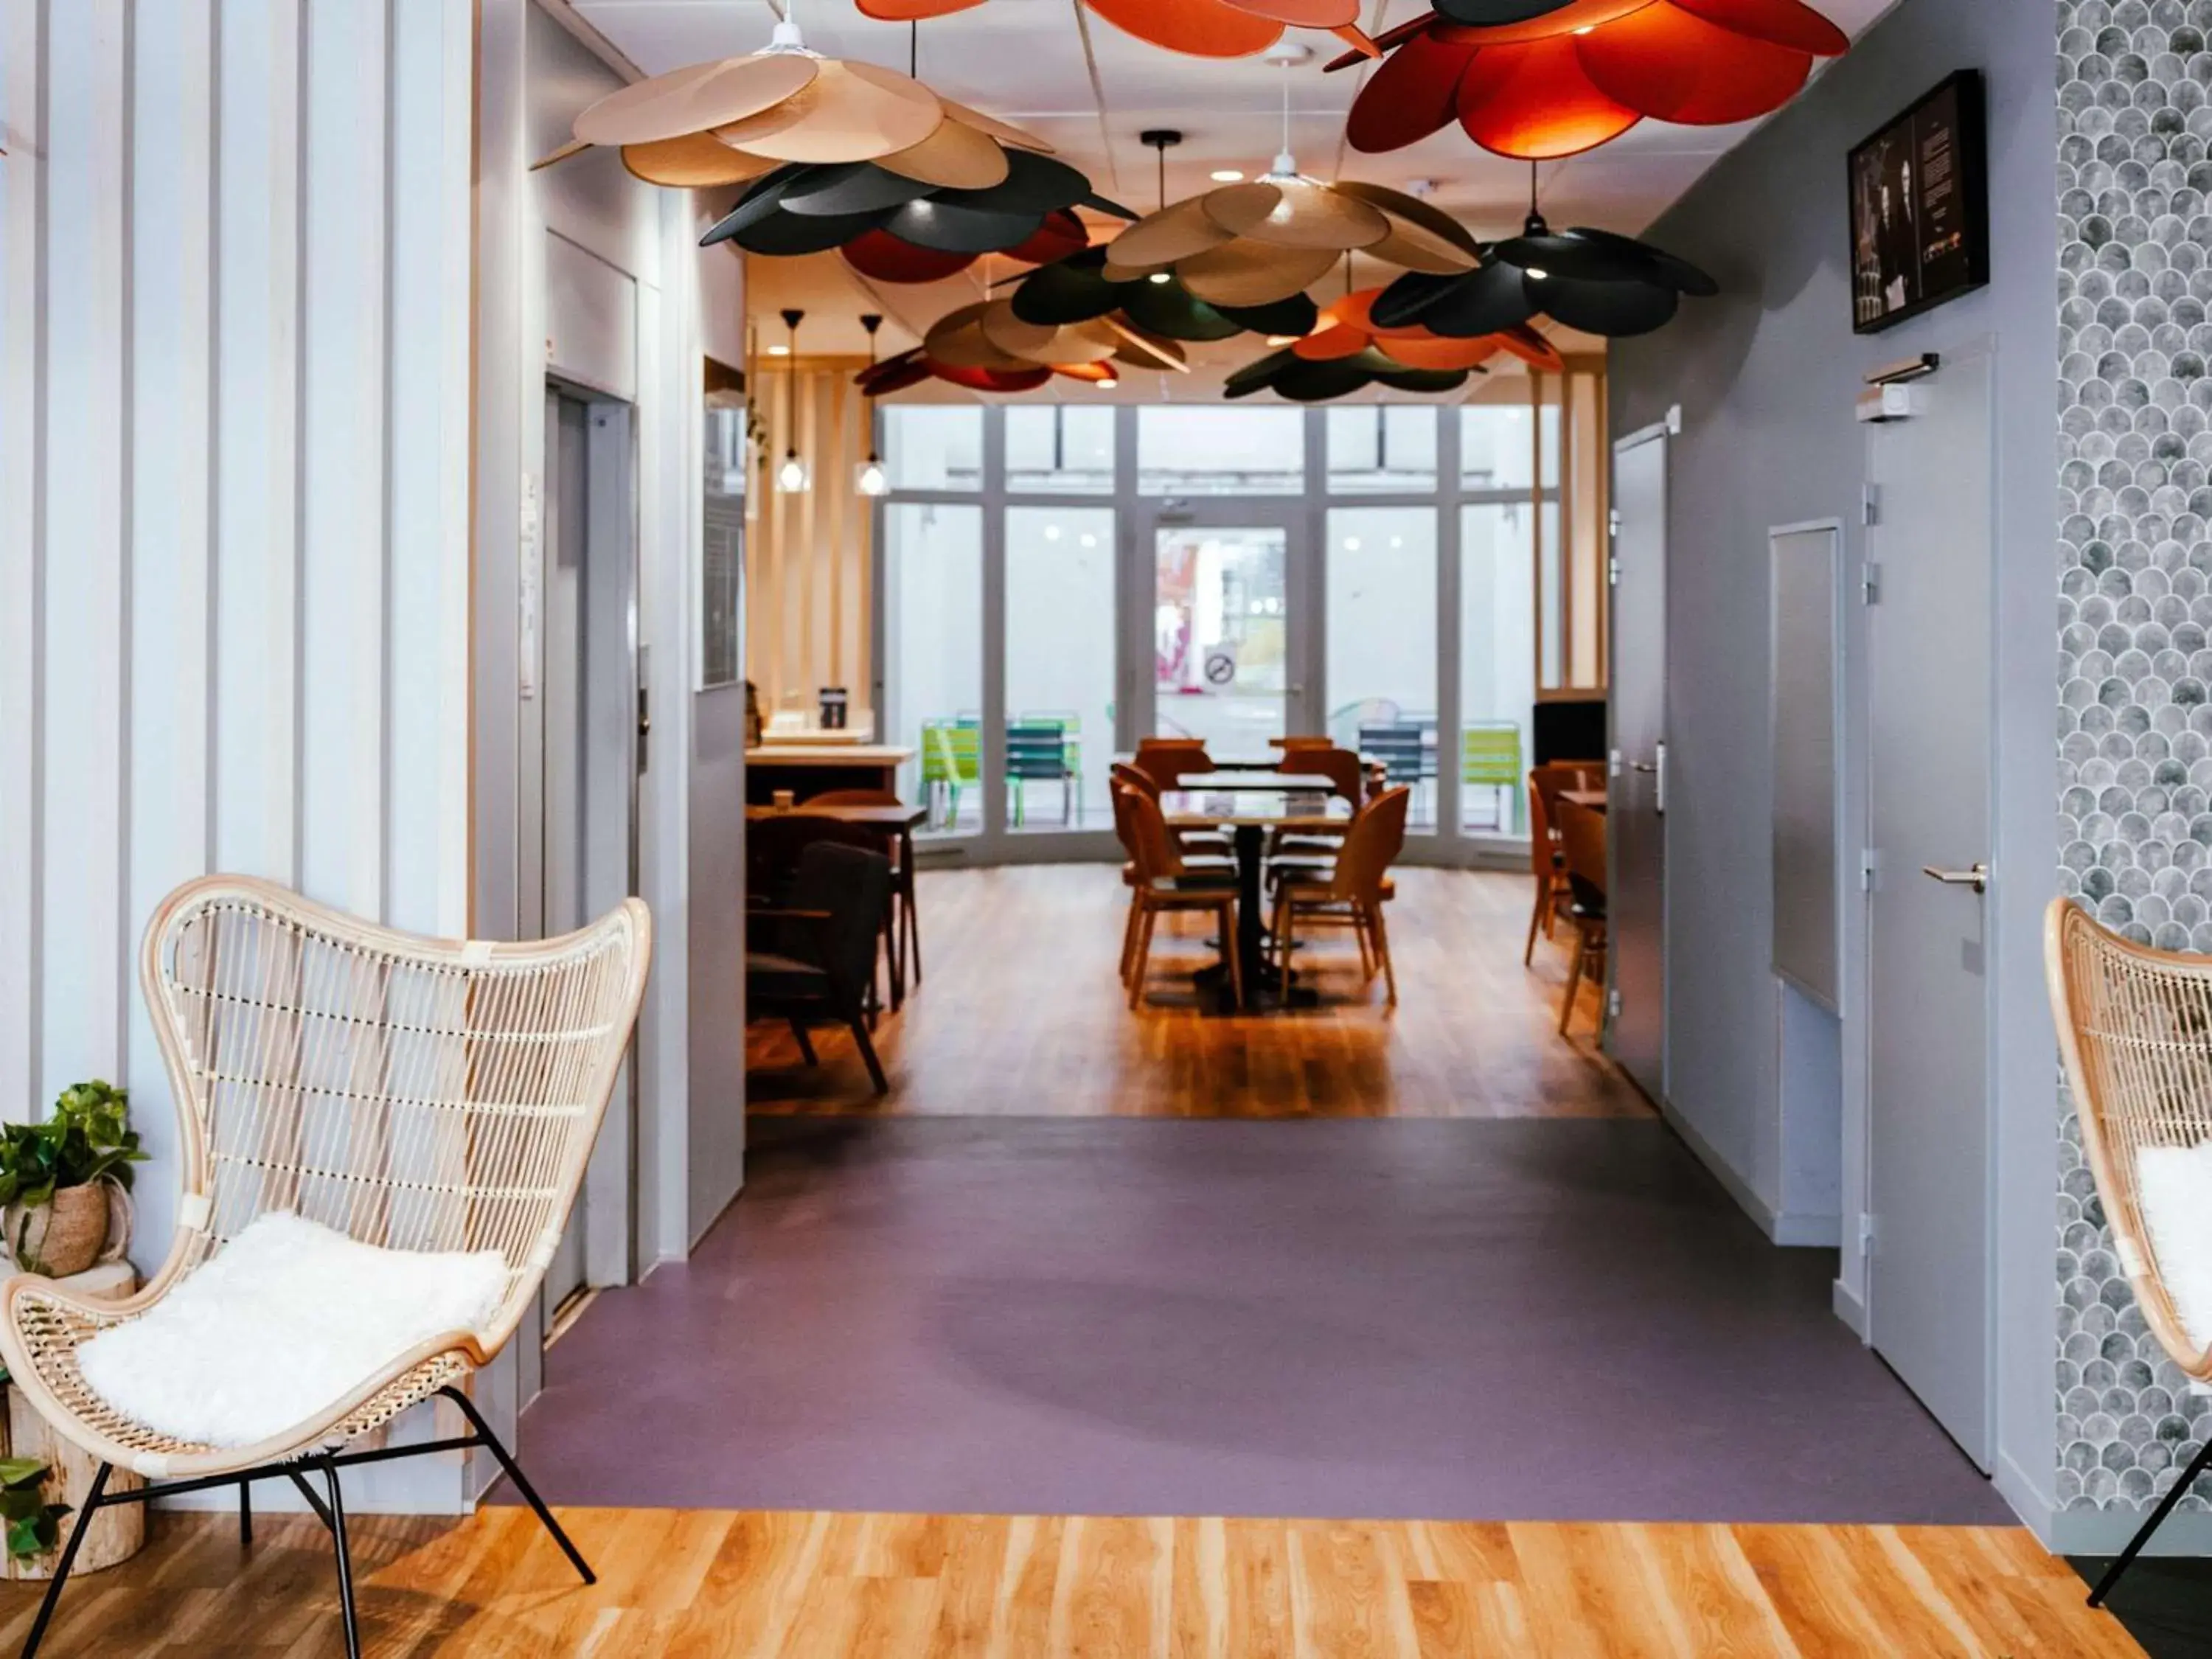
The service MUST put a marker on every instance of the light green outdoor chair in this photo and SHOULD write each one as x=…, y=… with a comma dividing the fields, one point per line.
x=1490, y=758
x=951, y=755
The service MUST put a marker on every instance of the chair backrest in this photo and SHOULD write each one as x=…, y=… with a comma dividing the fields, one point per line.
x=1546, y=783
x=951, y=751
x=1490, y=755
x=1036, y=750
x=852, y=883
x=417, y=1093
x=1371, y=846
x=1398, y=747
x=1168, y=762
x=1135, y=777
x=1345, y=771
x=1151, y=846
x=1581, y=840
x=2135, y=1031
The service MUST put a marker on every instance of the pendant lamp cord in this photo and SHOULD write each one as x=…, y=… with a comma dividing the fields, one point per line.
x=913, y=49
x=1160, y=154
x=1287, y=109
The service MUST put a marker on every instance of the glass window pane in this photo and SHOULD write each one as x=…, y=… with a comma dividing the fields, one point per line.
x=933, y=446
x=1220, y=629
x=1498, y=666
x=1059, y=667
x=1497, y=446
x=1381, y=630
x=933, y=657
x=1382, y=448
x=1185, y=450
x=1060, y=449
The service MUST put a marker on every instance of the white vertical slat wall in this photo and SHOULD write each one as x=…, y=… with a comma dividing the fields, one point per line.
x=235, y=250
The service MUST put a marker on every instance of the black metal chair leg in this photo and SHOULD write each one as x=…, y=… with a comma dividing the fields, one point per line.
x=345, y=1561
x=245, y=1512
x=868, y=1053
x=2142, y=1535
x=513, y=1471
x=805, y=1043
x=322, y=1510
x=85, y=1512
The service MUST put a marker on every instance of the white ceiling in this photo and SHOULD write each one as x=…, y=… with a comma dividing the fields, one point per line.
x=1065, y=73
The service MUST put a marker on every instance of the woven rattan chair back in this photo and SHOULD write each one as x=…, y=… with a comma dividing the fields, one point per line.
x=418, y=1094
x=2135, y=1029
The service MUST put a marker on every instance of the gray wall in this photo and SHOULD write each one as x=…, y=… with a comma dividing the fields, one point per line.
x=1767, y=376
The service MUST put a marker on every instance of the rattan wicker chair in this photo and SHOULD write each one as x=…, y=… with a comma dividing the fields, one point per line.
x=417, y=1093
x=2135, y=1029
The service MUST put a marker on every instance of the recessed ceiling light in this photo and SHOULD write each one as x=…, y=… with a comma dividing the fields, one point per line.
x=1161, y=276
x=1108, y=384
x=1225, y=176
x=1536, y=275
x=1282, y=339
x=779, y=351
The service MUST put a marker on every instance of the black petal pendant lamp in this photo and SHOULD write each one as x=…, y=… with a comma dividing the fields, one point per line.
x=810, y=207
x=1592, y=280
x=1078, y=289
x=869, y=478
x=794, y=476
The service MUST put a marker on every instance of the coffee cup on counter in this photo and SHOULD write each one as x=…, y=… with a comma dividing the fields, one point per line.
x=785, y=800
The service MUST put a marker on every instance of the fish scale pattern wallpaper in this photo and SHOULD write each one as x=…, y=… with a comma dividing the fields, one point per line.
x=2135, y=616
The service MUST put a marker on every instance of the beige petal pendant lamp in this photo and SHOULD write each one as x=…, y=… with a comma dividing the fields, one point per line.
x=1255, y=243
x=987, y=347
x=1198, y=28
x=735, y=119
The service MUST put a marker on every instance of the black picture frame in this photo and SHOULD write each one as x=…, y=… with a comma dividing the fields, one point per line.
x=1918, y=193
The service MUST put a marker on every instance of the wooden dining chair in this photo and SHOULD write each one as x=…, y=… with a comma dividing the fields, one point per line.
x=1547, y=862
x=1168, y=761
x=1582, y=844
x=1352, y=894
x=1164, y=884
x=1197, y=846
x=1347, y=777
x=907, y=933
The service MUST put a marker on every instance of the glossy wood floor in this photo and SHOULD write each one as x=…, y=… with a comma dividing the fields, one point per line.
x=1023, y=1014
x=830, y=1587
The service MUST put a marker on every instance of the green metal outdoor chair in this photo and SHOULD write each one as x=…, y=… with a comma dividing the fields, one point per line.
x=952, y=755
x=1490, y=758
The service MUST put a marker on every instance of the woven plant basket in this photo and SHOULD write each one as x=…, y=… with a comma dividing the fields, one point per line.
x=63, y=1238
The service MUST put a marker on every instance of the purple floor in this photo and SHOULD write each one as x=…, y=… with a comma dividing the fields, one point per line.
x=1478, y=1321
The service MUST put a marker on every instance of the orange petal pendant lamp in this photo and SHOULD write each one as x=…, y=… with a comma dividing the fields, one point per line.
x=1537, y=80
x=1198, y=28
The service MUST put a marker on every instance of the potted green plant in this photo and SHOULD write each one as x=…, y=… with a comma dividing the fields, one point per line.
x=57, y=1178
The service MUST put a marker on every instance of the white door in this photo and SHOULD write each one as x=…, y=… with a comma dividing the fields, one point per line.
x=1635, y=809
x=1928, y=631
x=1227, y=647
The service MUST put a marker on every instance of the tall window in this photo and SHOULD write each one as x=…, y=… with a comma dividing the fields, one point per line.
x=933, y=658
x=1409, y=580
x=1382, y=631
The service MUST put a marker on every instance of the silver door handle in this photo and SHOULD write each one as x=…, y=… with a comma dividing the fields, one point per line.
x=1644, y=766
x=1977, y=877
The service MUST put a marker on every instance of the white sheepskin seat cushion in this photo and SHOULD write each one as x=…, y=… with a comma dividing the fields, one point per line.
x=2173, y=1188
x=285, y=1321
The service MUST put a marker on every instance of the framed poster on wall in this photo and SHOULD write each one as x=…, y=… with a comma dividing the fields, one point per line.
x=1919, y=194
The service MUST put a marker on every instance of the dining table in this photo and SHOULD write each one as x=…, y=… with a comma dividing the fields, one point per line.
x=1250, y=805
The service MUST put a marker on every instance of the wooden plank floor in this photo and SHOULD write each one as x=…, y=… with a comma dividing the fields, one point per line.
x=1023, y=1014
x=707, y=1585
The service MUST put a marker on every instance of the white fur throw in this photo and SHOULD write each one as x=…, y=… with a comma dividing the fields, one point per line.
x=2173, y=1188
x=284, y=1321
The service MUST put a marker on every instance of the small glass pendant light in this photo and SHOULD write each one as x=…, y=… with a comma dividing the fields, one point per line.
x=794, y=476
x=870, y=479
